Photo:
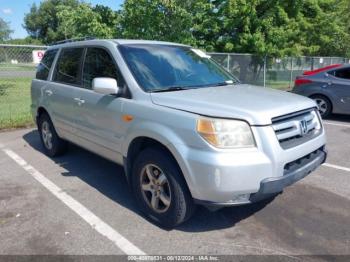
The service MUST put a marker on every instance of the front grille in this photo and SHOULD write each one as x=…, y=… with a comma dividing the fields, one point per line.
x=297, y=128
x=299, y=163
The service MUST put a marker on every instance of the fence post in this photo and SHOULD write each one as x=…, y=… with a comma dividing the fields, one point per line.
x=6, y=56
x=291, y=73
x=228, y=62
x=265, y=66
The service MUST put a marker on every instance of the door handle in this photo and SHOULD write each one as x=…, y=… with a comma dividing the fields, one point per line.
x=79, y=101
x=48, y=92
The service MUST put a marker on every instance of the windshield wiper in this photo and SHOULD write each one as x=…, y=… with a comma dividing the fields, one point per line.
x=169, y=89
x=225, y=83
x=179, y=88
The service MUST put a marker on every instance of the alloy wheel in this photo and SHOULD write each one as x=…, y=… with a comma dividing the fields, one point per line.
x=155, y=188
x=46, y=135
x=322, y=105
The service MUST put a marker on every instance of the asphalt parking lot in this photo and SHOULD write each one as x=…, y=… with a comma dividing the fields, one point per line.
x=79, y=204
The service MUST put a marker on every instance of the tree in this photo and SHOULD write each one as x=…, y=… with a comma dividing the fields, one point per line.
x=5, y=30
x=325, y=27
x=107, y=16
x=344, y=15
x=273, y=27
x=167, y=20
x=84, y=21
x=42, y=22
x=56, y=20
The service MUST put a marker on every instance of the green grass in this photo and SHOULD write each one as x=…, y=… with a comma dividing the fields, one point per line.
x=18, y=67
x=281, y=85
x=15, y=103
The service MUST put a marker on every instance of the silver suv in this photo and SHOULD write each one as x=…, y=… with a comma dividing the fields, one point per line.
x=185, y=130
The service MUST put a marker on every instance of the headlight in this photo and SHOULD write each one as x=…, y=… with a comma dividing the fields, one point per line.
x=223, y=133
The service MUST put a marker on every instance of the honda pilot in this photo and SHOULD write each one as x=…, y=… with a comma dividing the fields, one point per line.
x=186, y=131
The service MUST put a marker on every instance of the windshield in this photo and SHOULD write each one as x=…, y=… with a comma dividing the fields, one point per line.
x=165, y=68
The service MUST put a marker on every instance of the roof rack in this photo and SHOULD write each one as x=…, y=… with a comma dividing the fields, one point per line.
x=73, y=40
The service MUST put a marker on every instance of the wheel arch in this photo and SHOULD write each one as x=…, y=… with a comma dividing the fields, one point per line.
x=41, y=110
x=139, y=143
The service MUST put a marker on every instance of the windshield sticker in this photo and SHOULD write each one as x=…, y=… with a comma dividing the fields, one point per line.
x=200, y=53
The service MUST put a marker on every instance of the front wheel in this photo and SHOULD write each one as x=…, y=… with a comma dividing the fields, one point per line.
x=324, y=105
x=160, y=188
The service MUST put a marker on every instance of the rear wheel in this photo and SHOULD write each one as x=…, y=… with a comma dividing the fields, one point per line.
x=324, y=105
x=160, y=189
x=53, y=144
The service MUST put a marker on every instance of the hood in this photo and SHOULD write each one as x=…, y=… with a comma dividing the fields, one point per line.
x=257, y=105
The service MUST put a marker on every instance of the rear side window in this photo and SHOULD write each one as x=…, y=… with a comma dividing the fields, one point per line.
x=68, y=66
x=43, y=69
x=342, y=73
x=98, y=63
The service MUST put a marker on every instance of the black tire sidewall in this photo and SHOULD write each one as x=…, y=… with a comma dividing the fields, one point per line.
x=181, y=206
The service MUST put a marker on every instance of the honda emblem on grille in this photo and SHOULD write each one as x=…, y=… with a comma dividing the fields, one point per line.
x=303, y=127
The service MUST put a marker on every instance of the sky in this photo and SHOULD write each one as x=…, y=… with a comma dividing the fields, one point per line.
x=13, y=11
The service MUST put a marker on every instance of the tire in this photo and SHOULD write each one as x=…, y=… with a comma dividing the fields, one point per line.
x=52, y=143
x=324, y=105
x=179, y=205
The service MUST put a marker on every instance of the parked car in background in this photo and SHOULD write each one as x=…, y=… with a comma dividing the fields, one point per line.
x=328, y=86
x=186, y=131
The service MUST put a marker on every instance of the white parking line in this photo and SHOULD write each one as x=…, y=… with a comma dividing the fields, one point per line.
x=337, y=167
x=95, y=222
x=335, y=124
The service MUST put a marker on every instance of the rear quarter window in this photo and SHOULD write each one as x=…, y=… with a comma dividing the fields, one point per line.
x=343, y=73
x=44, y=67
x=68, y=66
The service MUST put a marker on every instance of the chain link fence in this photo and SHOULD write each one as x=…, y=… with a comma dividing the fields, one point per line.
x=278, y=73
x=18, y=65
x=17, y=69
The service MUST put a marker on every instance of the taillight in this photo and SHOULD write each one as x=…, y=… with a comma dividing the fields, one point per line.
x=302, y=81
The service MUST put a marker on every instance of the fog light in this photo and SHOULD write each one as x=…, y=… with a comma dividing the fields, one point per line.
x=240, y=199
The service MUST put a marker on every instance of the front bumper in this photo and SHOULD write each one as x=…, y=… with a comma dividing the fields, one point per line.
x=296, y=171
x=269, y=187
x=237, y=177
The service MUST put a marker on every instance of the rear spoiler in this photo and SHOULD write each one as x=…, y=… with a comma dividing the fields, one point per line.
x=323, y=69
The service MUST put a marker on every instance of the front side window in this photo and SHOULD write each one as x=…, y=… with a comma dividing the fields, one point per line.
x=98, y=63
x=68, y=66
x=163, y=67
x=45, y=64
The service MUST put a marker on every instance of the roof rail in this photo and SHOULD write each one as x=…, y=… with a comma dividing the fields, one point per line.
x=73, y=40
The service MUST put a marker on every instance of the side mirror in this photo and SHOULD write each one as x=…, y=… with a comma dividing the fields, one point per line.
x=105, y=86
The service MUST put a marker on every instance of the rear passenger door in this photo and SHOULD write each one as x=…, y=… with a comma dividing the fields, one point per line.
x=41, y=87
x=66, y=80
x=340, y=88
x=99, y=120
